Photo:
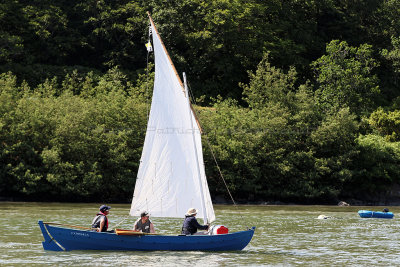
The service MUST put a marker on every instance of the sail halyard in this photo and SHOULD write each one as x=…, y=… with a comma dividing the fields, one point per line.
x=171, y=174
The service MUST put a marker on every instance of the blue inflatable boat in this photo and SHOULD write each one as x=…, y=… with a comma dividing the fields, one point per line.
x=375, y=214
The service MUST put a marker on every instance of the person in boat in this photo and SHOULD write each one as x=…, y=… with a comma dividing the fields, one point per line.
x=190, y=224
x=143, y=224
x=100, y=221
x=385, y=210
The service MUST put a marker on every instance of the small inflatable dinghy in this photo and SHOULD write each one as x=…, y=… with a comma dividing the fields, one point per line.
x=375, y=214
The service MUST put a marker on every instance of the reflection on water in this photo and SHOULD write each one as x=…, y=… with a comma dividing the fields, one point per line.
x=285, y=235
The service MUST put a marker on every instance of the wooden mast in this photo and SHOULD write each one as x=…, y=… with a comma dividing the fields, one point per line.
x=176, y=73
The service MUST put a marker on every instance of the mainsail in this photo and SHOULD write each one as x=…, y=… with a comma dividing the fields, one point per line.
x=168, y=181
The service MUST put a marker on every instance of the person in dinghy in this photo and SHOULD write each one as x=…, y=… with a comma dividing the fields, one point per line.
x=143, y=224
x=100, y=221
x=190, y=224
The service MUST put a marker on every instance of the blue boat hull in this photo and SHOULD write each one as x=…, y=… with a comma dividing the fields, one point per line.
x=64, y=239
x=375, y=214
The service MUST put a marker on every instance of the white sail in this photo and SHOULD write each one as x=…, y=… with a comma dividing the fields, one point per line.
x=168, y=181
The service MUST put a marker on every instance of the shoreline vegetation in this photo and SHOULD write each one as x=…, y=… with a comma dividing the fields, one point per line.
x=351, y=203
x=299, y=102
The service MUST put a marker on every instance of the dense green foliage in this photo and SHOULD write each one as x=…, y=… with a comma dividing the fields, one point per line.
x=344, y=78
x=301, y=99
x=70, y=147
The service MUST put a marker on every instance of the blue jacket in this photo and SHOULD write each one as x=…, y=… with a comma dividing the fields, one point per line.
x=190, y=226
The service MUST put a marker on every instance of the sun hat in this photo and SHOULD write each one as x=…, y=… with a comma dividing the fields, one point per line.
x=191, y=211
x=104, y=207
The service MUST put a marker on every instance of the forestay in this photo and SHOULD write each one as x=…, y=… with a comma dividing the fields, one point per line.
x=168, y=181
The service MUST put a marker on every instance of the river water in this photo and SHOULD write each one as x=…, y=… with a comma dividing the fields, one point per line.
x=285, y=236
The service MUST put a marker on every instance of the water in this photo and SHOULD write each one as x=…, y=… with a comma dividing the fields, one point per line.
x=285, y=236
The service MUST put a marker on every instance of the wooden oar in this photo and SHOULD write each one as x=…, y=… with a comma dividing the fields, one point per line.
x=131, y=232
x=117, y=231
x=68, y=225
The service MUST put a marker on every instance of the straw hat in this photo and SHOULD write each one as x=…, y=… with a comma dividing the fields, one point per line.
x=191, y=211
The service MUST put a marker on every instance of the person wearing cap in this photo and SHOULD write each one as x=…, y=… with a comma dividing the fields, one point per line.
x=100, y=221
x=143, y=224
x=190, y=224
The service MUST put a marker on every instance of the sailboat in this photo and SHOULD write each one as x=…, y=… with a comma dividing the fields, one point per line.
x=171, y=177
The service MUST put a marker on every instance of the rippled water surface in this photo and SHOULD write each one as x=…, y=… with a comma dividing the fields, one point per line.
x=285, y=236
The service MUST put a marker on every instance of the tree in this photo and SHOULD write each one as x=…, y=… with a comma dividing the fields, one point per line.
x=345, y=79
x=116, y=32
x=11, y=40
x=375, y=169
x=269, y=85
x=393, y=56
x=387, y=124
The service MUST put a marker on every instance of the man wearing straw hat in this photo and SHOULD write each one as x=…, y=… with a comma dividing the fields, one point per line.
x=190, y=224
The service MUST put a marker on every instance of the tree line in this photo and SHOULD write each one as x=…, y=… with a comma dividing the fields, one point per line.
x=299, y=100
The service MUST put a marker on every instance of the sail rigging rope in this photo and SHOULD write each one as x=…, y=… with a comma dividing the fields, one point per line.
x=212, y=153
x=124, y=219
